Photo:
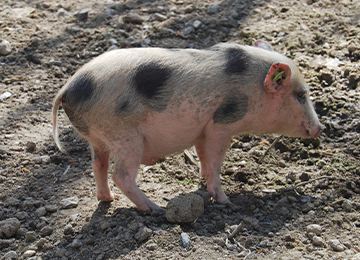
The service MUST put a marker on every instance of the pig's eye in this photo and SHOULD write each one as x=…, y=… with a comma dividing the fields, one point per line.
x=300, y=97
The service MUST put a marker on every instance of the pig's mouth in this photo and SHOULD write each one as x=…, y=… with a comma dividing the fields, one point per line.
x=314, y=132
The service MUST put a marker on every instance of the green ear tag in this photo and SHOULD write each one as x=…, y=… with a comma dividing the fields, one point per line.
x=278, y=75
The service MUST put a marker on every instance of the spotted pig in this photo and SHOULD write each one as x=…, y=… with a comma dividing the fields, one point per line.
x=143, y=104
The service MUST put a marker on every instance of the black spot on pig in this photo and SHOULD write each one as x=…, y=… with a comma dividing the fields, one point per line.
x=232, y=109
x=80, y=89
x=236, y=61
x=150, y=80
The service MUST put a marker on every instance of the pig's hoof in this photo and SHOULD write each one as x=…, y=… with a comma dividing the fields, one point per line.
x=223, y=201
x=148, y=209
x=105, y=198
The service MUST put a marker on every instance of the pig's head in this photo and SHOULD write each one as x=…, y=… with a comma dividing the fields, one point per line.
x=289, y=108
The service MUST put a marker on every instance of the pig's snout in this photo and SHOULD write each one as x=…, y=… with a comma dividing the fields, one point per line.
x=316, y=131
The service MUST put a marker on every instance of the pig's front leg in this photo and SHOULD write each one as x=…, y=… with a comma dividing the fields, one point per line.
x=100, y=163
x=126, y=168
x=211, y=154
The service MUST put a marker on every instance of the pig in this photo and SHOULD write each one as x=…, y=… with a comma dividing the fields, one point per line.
x=142, y=104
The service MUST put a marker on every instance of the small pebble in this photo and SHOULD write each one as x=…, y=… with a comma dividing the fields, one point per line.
x=160, y=17
x=197, y=24
x=30, y=145
x=71, y=202
x=336, y=245
x=318, y=241
x=11, y=255
x=29, y=253
x=5, y=95
x=314, y=228
x=185, y=239
x=5, y=48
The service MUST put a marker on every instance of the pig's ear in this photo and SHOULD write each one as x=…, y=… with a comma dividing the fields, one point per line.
x=278, y=77
x=263, y=45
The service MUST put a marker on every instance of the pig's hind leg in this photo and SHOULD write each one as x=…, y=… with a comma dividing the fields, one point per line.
x=100, y=164
x=127, y=161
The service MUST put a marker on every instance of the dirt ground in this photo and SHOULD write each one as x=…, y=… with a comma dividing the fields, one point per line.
x=302, y=201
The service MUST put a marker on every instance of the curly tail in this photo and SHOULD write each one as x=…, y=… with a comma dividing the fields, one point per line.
x=55, y=109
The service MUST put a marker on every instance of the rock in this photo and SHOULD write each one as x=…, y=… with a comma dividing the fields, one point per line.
x=336, y=245
x=314, y=228
x=189, y=8
x=255, y=223
x=68, y=230
x=40, y=212
x=304, y=176
x=51, y=208
x=143, y=234
x=113, y=41
x=318, y=241
x=60, y=252
x=30, y=145
x=61, y=12
x=21, y=215
x=213, y=9
x=76, y=243
x=29, y=253
x=9, y=226
x=5, y=48
x=46, y=231
x=35, y=42
x=41, y=242
x=185, y=239
x=30, y=236
x=82, y=15
x=197, y=24
x=71, y=202
x=347, y=205
x=185, y=208
x=133, y=18
x=11, y=255
x=152, y=246
x=5, y=95
x=187, y=31
x=160, y=17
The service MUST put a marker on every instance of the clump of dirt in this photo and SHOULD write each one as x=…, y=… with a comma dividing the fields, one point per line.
x=48, y=207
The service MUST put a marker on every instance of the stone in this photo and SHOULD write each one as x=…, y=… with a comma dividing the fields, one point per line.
x=318, y=241
x=347, y=205
x=76, y=243
x=314, y=228
x=9, y=227
x=5, y=95
x=82, y=15
x=185, y=208
x=197, y=24
x=40, y=212
x=71, y=202
x=336, y=245
x=46, y=231
x=133, y=18
x=11, y=255
x=160, y=17
x=185, y=239
x=30, y=236
x=143, y=234
x=5, y=48
x=29, y=253
x=30, y=145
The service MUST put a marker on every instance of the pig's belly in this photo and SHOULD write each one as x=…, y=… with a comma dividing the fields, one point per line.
x=164, y=135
